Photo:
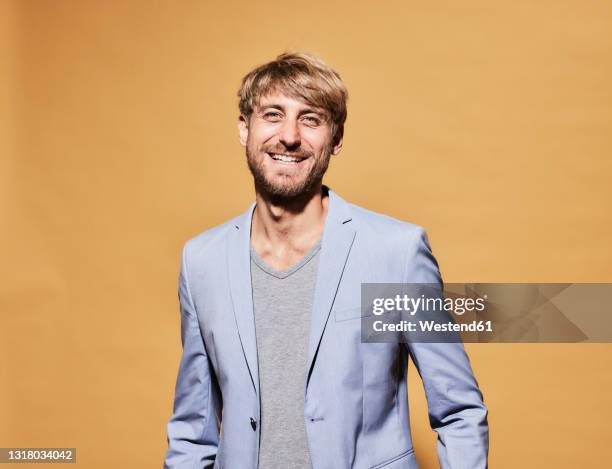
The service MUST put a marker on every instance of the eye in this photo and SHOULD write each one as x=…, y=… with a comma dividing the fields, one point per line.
x=272, y=116
x=312, y=120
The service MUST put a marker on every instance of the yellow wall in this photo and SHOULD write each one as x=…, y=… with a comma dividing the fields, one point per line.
x=489, y=123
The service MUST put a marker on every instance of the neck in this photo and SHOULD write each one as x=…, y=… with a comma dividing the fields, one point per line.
x=284, y=228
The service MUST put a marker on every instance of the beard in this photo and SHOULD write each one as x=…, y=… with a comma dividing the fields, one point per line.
x=286, y=188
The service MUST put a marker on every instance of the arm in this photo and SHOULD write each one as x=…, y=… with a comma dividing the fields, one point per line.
x=455, y=404
x=193, y=430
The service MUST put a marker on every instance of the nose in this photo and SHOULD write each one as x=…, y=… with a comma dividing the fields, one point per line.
x=290, y=134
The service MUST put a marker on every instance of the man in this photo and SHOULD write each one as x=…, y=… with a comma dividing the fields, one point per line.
x=274, y=373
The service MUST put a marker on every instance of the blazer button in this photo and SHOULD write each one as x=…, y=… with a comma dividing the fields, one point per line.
x=253, y=424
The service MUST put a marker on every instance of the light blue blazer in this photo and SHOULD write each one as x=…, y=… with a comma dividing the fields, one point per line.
x=356, y=411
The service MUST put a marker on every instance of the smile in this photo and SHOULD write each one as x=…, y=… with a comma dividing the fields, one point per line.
x=285, y=158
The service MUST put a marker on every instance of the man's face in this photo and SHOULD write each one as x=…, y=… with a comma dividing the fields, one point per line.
x=288, y=145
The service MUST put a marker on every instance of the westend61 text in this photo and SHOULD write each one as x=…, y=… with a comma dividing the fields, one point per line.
x=433, y=326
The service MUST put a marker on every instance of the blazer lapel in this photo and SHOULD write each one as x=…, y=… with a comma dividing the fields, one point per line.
x=239, y=269
x=338, y=236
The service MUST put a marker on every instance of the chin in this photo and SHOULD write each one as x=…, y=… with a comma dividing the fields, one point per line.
x=284, y=191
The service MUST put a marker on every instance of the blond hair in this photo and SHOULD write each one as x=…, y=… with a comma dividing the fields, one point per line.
x=299, y=75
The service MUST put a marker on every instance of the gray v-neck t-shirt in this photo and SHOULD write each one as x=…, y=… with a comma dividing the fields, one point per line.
x=282, y=304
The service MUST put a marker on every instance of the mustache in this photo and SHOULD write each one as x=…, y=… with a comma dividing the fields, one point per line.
x=284, y=151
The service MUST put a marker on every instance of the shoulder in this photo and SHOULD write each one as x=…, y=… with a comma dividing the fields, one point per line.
x=385, y=227
x=397, y=240
x=209, y=244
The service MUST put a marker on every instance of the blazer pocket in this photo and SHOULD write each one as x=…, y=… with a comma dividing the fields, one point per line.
x=405, y=460
x=354, y=312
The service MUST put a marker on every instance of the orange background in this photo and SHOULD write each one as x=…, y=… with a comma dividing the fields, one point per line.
x=489, y=123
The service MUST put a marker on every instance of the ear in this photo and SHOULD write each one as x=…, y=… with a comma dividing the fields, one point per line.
x=243, y=130
x=338, y=138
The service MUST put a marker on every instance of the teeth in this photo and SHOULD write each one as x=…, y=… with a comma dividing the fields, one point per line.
x=285, y=158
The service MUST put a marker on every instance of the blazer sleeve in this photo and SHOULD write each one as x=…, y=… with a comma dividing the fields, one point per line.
x=193, y=429
x=455, y=404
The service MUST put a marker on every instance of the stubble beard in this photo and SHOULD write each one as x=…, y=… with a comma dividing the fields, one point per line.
x=288, y=190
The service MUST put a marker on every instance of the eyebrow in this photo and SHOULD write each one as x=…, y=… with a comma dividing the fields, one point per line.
x=321, y=112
